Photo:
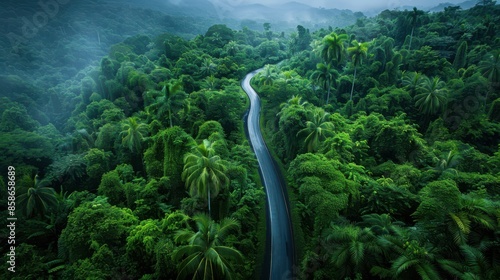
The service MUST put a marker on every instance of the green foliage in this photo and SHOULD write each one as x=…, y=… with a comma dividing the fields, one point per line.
x=112, y=188
x=317, y=128
x=165, y=156
x=25, y=148
x=208, y=128
x=322, y=188
x=438, y=199
x=207, y=256
x=92, y=225
x=333, y=47
x=461, y=56
x=133, y=134
x=36, y=199
x=16, y=117
x=171, y=99
x=490, y=67
x=204, y=172
x=370, y=157
x=433, y=96
x=326, y=76
x=494, y=113
x=97, y=162
x=227, y=107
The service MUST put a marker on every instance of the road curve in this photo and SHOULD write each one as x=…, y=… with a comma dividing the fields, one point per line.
x=280, y=253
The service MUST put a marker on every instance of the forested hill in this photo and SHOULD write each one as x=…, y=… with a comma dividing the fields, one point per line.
x=46, y=48
x=138, y=167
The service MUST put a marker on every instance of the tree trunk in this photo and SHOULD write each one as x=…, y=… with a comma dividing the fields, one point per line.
x=411, y=37
x=209, y=209
x=354, y=79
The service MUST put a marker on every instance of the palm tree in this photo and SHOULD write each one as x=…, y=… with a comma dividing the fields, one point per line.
x=413, y=17
x=413, y=81
x=316, y=129
x=415, y=260
x=478, y=266
x=231, y=48
x=490, y=67
x=357, y=52
x=326, y=76
x=133, y=134
x=288, y=76
x=382, y=224
x=208, y=68
x=473, y=213
x=333, y=47
x=37, y=199
x=295, y=100
x=433, y=97
x=448, y=162
x=355, y=249
x=172, y=98
x=267, y=76
x=206, y=256
x=204, y=172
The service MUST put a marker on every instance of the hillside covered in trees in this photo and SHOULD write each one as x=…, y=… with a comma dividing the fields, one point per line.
x=137, y=167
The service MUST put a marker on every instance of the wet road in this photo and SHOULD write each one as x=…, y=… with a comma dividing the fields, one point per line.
x=280, y=248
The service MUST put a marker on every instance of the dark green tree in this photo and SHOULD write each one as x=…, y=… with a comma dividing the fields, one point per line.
x=432, y=97
x=205, y=256
x=414, y=17
x=325, y=75
x=461, y=56
x=318, y=127
x=36, y=199
x=133, y=134
x=332, y=48
x=358, y=52
x=204, y=172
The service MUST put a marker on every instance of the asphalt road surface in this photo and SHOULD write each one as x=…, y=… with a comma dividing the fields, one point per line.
x=280, y=248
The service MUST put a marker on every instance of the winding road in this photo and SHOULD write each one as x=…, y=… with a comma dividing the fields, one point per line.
x=280, y=252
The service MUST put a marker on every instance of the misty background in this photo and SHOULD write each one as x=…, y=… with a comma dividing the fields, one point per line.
x=45, y=43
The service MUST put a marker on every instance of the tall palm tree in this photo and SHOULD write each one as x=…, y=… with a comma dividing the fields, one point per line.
x=433, y=96
x=133, y=134
x=37, y=199
x=206, y=256
x=333, y=47
x=414, y=18
x=204, y=172
x=316, y=129
x=357, y=52
x=171, y=98
x=325, y=75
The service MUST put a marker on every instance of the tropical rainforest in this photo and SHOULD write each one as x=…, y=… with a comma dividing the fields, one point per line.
x=138, y=167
